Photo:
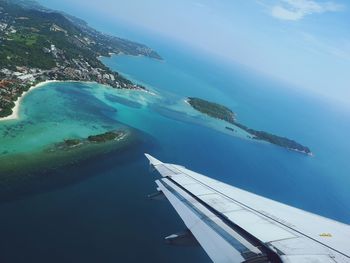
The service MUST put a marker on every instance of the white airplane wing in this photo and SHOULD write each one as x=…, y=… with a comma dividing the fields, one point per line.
x=233, y=225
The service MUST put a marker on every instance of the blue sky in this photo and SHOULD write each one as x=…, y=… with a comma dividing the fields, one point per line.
x=303, y=42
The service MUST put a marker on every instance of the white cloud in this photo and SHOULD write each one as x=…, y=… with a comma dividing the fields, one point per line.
x=297, y=9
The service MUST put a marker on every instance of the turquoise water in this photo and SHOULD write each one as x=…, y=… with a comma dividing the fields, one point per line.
x=103, y=215
x=318, y=184
x=51, y=114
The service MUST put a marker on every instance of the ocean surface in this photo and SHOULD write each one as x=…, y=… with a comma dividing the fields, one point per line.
x=93, y=206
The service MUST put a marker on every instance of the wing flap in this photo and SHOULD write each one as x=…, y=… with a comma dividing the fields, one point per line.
x=259, y=226
x=217, y=248
x=332, y=234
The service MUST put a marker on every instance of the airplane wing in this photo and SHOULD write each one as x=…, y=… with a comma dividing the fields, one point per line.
x=233, y=225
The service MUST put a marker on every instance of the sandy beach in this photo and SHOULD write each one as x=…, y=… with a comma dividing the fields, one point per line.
x=15, y=110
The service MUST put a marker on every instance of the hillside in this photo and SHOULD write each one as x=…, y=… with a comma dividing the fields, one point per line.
x=38, y=44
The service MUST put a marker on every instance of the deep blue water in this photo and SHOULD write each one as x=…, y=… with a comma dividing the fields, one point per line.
x=107, y=217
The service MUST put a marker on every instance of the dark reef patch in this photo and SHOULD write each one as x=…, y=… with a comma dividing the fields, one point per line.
x=123, y=101
x=25, y=174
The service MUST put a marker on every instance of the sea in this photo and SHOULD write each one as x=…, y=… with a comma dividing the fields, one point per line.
x=92, y=206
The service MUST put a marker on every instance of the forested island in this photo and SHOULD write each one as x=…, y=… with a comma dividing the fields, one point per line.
x=98, y=138
x=212, y=109
x=39, y=44
x=221, y=112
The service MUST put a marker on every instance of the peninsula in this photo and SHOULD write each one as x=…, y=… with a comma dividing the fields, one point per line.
x=221, y=112
x=38, y=44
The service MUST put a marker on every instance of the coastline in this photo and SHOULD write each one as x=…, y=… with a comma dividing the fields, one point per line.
x=218, y=111
x=15, y=109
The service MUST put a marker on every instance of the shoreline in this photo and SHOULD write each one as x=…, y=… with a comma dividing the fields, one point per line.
x=15, y=109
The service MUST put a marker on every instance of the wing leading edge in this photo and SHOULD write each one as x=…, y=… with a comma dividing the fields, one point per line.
x=233, y=225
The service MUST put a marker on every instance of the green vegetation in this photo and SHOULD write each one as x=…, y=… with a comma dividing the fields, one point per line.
x=108, y=136
x=69, y=144
x=36, y=28
x=28, y=40
x=20, y=49
x=221, y=112
x=212, y=109
x=99, y=138
x=278, y=140
x=38, y=44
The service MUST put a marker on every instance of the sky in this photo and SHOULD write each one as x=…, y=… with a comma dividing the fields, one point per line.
x=303, y=42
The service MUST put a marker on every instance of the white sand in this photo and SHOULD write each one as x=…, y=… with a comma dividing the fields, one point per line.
x=15, y=110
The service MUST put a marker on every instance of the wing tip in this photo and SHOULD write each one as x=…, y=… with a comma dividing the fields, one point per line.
x=152, y=160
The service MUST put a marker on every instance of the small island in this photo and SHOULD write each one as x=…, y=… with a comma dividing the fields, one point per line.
x=221, y=112
x=24, y=173
x=98, y=138
x=105, y=137
x=212, y=109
